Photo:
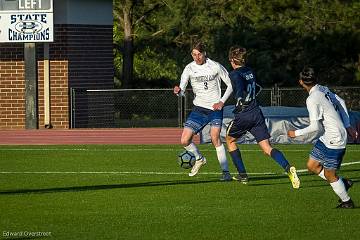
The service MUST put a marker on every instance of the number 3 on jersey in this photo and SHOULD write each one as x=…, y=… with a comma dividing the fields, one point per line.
x=206, y=86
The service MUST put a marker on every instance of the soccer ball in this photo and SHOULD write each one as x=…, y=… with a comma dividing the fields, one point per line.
x=186, y=159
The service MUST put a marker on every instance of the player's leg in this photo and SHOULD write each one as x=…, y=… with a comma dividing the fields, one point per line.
x=315, y=167
x=279, y=157
x=338, y=186
x=275, y=154
x=262, y=136
x=195, y=122
x=186, y=141
x=220, y=153
x=233, y=132
x=331, y=160
x=215, y=119
x=261, y=133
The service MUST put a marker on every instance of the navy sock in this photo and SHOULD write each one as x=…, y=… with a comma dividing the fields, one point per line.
x=236, y=158
x=280, y=159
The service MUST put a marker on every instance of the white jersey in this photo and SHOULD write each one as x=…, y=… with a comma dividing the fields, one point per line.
x=328, y=108
x=205, y=80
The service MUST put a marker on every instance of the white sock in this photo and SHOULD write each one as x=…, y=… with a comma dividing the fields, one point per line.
x=193, y=149
x=339, y=189
x=322, y=174
x=221, y=155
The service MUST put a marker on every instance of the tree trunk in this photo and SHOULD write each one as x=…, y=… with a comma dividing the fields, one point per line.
x=128, y=54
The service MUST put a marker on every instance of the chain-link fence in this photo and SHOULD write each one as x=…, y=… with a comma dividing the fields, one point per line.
x=124, y=108
x=296, y=97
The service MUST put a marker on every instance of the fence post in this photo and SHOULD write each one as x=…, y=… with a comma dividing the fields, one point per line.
x=72, y=106
x=273, y=96
x=180, y=111
x=278, y=95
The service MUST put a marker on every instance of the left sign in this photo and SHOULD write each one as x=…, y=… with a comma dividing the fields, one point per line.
x=31, y=22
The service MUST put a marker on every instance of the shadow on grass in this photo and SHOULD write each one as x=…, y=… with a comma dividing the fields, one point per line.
x=136, y=185
x=348, y=170
x=307, y=180
x=252, y=182
x=105, y=187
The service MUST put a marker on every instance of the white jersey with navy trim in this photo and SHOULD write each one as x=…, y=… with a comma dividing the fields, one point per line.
x=328, y=108
x=205, y=80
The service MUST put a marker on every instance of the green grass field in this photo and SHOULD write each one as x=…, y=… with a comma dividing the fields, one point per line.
x=139, y=192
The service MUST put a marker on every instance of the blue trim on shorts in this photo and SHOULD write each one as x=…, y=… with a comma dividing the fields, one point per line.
x=329, y=158
x=200, y=117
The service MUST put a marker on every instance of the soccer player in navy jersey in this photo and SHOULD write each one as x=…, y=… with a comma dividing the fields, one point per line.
x=248, y=117
x=328, y=112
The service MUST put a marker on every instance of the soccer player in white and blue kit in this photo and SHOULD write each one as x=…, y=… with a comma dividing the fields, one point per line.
x=205, y=76
x=327, y=111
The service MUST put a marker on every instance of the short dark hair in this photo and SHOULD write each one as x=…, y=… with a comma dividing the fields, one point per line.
x=238, y=55
x=308, y=76
x=198, y=45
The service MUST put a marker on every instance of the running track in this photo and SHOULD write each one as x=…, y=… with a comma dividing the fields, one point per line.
x=92, y=136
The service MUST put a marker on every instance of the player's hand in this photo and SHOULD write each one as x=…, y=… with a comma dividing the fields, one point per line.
x=218, y=106
x=177, y=90
x=291, y=133
x=352, y=133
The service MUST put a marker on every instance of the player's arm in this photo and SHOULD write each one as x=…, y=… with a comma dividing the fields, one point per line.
x=258, y=86
x=346, y=118
x=343, y=111
x=224, y=75
x=313, y=127
x=180, y=90
x=352, y=133
x=315, y=115
x=239, y=88
x=341, y=106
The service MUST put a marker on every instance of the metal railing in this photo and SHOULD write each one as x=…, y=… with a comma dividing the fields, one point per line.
x=124, y=108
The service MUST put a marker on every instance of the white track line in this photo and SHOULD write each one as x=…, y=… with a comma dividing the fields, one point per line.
x=149, y=173
x=146, y=149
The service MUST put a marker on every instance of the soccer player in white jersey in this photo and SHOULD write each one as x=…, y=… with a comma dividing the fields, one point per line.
x=205, y=76
x=329, y=111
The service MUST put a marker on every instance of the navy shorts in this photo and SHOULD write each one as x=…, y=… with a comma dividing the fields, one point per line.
x=251, y=120
x=329, y=158
x=200, y=117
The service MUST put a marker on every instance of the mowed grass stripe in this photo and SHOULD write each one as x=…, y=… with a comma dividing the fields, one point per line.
x=83, y=195
x=148, y=173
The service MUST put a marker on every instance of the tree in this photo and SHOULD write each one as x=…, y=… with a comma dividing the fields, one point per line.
x=282, y=36
x=124, y=17
x=128, y=14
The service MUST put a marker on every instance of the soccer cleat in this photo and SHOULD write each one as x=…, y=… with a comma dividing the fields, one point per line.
x=226, y=176
x=348, y=183
x=347, y=204
x=243, y=178
x=295, y=181
x=198, y=164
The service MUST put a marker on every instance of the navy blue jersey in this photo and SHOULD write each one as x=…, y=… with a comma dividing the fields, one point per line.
x=244, y=86
x=248, y=115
